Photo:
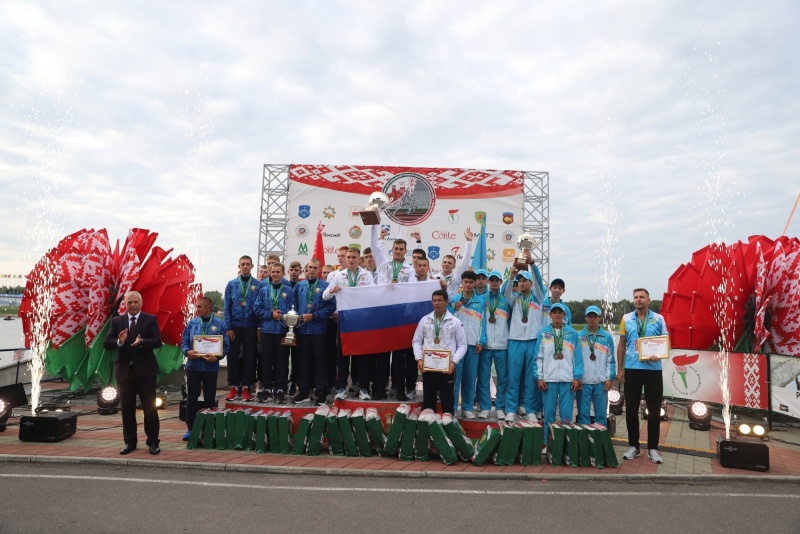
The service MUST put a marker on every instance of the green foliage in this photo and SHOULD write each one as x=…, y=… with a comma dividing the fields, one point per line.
x=217, y=302
x=578, y=308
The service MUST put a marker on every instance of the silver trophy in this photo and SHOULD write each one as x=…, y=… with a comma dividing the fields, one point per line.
x=290, y=319
x=377, y=203
x=524, y=242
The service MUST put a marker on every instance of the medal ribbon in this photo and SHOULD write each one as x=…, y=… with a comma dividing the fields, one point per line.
x=396, y=268
x=244, y=288
x=558, y=341
x=204, y=325
x=592, y=339
x=641, y=326
x=525, y=304
x=311, y=290
x=493, y=304
x=352, y=278
x=274, y=293
x=436, y=323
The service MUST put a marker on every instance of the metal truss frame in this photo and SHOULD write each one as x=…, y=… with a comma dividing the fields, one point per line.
x=274, y=212
x=536, y=217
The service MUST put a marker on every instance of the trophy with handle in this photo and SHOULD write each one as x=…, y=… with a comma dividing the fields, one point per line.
x=524, y=242
x=290, y=319
x=377, y=203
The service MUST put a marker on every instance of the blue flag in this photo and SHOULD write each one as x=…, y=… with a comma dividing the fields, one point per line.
x=479, y=256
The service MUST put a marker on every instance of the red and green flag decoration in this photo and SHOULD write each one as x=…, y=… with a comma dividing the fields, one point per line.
x=88, y=281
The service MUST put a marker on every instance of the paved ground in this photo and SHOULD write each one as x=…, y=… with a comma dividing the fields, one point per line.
x=100, y=438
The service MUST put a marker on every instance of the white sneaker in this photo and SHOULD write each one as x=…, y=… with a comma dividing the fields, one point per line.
x=411, y=393
x=510, y=418
x=364, y=395
x=632, y=453
x=341, y=394
x=654, y=456
x=521, y=411
x=532, y=418
x=500, y=415
x=483, y=414
x=469, y=415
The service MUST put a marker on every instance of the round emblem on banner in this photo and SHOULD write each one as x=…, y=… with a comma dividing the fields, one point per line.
x=301, y=230
x=411, y=198
x=354, y=232
x=508, y=236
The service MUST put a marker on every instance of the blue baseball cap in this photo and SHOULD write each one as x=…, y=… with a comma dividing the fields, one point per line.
x=498, y=274
x=524, y=274
x=593, y=309
x=558, y=306
x=483, y=272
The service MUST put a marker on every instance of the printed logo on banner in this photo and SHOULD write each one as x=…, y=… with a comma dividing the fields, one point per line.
x=354, y=245
x=326, y=234
x=304, y=211
x=354, y=232
x=507, y=273
x=388, y=228
x=455, y=254
x=452, y=216
x=436, y=234
x=355, y=212
x=329, y=212
x=433, y=253
x=508, y=217
x=509, y=252
x=480, y=217
x=490, y=254
x=301, y=230
x=489, y=235
x=411, y=198
x=690, y=380
x=508, y=236
x=302, y=250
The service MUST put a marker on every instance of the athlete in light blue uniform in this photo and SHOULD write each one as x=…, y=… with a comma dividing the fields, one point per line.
x=599, y=369
x=470, y=309
x=559, y=366
x=498, y=312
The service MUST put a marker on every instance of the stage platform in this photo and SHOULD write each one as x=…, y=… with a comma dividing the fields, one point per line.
x=386, y=408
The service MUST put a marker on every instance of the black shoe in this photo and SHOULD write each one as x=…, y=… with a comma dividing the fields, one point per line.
x=261, y=396
x=280, y=397
x=378, y=395
x=154, y=449
x=129, y=448
x=300, y=398
x=320, y=400
x=292, y=389
x=402, y=397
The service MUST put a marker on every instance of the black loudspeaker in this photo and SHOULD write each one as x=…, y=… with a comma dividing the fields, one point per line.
x=743, y=453
x=51, y=426
x=14, y=395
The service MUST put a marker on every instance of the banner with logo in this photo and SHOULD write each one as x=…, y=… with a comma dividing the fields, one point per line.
x=438, y=203
x=693, y=374
x=785, y=380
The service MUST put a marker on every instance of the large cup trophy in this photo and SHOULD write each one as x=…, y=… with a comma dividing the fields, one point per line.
x=290, y=319
x=524, y=242
x=377, y=203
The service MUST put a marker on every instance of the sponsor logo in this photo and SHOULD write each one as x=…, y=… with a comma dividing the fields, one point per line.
x=690, y=379
x=302, y=250
x=326, y=234
x=301, y=230
x=436, y=234
x=304, y=211
x=508, y=236
x=354, y=232
x=331, y=250
x=507, y=272
x=329, y=212
x=355, y=245
x=508, y=217
x=452, y=216
x=509, y=255
x=489, y=235
x=411, y=198
x=490, y=254
x=388, y=228
x=433, y=253
x=455, y=254
x=355, y=212
x=480, y=217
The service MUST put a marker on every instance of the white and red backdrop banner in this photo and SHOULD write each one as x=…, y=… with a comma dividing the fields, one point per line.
x=440, y=203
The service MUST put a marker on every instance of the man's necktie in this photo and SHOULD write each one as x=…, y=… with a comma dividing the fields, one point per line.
x=132, y=330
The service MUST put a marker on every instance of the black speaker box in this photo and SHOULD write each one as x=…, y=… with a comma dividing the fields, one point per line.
x=743, y=453
x=51, y=426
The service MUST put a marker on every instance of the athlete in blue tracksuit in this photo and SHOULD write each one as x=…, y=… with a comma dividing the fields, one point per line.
x=526, y=320
x=498, y=312
x=240, y=297
x=559, y=366
x=599, y=369
x=470, y=309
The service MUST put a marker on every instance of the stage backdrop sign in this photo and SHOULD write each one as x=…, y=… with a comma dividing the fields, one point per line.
x=785, y=371
x=693, y=374
x=439, y=203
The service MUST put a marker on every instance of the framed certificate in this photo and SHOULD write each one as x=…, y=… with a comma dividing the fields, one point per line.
x=436, y=360
x=657, y=346
x=207, y=345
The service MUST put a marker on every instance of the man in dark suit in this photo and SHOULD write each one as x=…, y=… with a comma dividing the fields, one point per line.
x=134, y=335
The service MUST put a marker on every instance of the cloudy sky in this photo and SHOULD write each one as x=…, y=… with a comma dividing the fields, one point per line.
x=664, y=125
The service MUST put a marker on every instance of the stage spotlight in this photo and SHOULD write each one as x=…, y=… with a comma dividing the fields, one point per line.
x=107, y=401
x=615, y=402
x=699, y=416
x=5, y=412
x=744, y=429
x=161, y=401
x=662, y=411
x=759, y=431
x=755, y=430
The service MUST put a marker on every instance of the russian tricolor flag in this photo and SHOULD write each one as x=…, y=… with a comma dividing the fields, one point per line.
x=382, y=318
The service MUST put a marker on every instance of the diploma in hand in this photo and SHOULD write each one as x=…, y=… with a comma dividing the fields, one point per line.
x=207, y=345
x=436, y=360
x=657, y=346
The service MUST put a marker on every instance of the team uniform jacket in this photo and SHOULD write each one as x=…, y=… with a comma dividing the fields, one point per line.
x=235, y=314
x=263, y=306
x=654, y=326
x=451, y=336
x=216, y=327
x=497, y=333
x=604, y=367
x=565, y=370
x=472, y=316
x=321, y=309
